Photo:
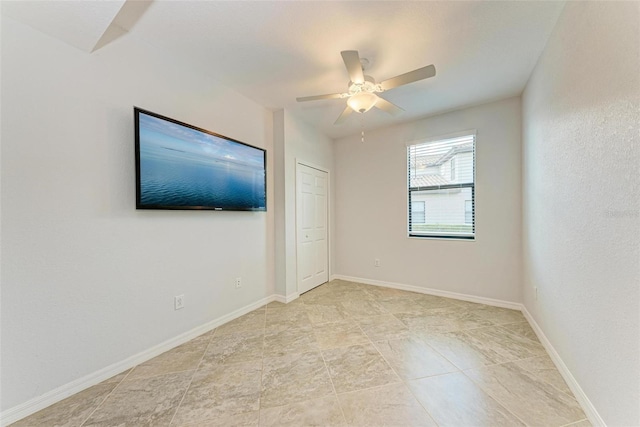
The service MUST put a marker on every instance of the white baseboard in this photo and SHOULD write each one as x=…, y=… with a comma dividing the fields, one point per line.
x=25, y=409
x=32, y=406
x=428, y=291
x=590, y=410
x=280, y=298
x=286, y=299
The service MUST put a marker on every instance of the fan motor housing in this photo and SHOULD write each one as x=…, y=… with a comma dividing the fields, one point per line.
x=369, y=85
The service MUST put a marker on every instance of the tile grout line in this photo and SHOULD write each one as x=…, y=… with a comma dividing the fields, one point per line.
x=402, y=380
x=162, y=374
x=148, y=377
x=576, y=422
x=326, y=366
x=204, y=353
x=533, y=373
x=373, y=387
x=333, y=386
x=264, y=343
x=511, y=333
x=319, y=350
x=530, y=372
x=107, y=396
x=495, y=398
x=464, y=331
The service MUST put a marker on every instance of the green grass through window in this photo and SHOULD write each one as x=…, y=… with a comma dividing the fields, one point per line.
x=442, y=228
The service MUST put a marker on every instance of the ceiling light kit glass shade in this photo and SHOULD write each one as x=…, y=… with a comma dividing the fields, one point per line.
x=362, y=102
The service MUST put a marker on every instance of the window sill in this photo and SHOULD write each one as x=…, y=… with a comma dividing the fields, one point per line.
x=455, y=238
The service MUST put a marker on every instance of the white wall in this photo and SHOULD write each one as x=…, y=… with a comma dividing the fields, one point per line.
x=581, y=203
x=294, y=141
x=86, y=279
x=371, y=207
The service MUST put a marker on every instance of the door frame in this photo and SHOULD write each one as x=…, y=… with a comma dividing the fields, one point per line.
x=329, y=225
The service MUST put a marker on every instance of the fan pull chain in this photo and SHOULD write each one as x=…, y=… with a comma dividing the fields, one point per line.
x=362, y=127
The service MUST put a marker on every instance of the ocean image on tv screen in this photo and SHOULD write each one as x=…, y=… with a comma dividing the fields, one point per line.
x=181, y=167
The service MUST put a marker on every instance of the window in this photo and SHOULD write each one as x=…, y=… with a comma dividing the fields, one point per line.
x=453, y=169
x=417, y=212
x=441, y=175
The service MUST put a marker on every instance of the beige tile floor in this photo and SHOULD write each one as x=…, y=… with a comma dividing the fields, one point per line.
x=342, y=354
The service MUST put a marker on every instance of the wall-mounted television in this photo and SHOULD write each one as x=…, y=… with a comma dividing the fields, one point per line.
x=179, y=166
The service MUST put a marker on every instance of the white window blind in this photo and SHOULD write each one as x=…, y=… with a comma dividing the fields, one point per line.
x=441, y=177
x=417, y=212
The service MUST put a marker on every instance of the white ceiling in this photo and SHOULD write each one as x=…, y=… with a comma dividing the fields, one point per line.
x=275, y=51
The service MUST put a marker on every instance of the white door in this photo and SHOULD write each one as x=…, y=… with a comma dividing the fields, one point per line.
x=311, y=225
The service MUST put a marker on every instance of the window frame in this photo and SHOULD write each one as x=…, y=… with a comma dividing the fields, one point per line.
x=443, y=236
x=470, y=211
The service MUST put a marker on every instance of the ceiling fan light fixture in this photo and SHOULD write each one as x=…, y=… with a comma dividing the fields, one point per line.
x=362, y=89
x=362, y=102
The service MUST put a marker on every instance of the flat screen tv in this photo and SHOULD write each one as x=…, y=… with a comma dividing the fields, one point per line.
x=179, y=166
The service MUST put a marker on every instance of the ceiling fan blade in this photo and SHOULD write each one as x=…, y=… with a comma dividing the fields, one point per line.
x=410, y=77
x=354, y=67
x=346, y=113
x=317, y=97
x=387, y=106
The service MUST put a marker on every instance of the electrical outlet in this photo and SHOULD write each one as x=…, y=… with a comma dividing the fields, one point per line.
x=238, y=282
x=178, y=302
x=376, y=262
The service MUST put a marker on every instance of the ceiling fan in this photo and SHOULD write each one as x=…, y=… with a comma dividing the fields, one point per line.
x=361, y=96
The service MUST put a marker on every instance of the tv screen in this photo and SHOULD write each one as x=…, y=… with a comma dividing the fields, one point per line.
x=179, y=166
